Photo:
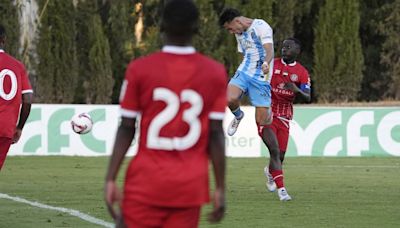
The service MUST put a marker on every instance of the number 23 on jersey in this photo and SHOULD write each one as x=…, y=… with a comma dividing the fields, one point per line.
x=190, y=116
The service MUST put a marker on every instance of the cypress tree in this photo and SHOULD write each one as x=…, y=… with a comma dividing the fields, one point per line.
x=56, y=49
x=337, y=51
x=284, y=12
x=208, y=39
x=151, y=39
x=10, y=20
x=390, y=56
x=120, y=33
x=375, y=83
x=95, y=68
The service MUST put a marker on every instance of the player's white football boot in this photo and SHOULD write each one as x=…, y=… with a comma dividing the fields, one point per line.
x=283, y=195
x=271, y=186
x=233, y=126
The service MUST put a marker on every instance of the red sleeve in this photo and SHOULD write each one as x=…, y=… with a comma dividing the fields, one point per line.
x=129, y=99
x=218, y=109
x=26, y=85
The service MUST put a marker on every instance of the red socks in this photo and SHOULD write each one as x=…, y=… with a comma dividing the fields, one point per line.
x=278, y=177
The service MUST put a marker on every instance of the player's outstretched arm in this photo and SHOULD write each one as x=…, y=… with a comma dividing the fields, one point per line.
x=27, y=99
x=123, y=140
x=217, y=156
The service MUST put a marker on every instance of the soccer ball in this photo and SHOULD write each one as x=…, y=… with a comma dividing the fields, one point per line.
x=81, y=123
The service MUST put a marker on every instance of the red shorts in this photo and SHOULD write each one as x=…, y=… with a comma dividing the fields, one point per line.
x=5, y=144
x=281, y=130
x=142, y=215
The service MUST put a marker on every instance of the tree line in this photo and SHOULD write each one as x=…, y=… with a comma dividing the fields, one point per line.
x=81, y=48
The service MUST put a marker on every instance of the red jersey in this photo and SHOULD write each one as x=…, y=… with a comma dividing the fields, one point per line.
x=176, y=92
x=14, y=82
x=282, y=99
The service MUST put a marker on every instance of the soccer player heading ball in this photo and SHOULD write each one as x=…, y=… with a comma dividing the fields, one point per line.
x=180, y=130
x=255, y=41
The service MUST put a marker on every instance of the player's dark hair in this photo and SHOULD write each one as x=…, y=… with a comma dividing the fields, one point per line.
x=2, y=32
x=180, y=18
x=296, y=41
x=228, y=15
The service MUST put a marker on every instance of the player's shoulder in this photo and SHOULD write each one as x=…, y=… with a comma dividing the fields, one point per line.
x=145, y=61
x=210, y=61
x=261, y=23
x=277, y=61
x=301, y=70
x=12, y=60
x=301, y=67
x=211, y=68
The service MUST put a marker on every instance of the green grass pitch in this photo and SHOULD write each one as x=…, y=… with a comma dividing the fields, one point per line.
x=326, y=192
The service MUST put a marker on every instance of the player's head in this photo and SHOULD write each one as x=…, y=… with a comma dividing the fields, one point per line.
x=179, y=21
x=230, y=20
x=2, y=36
x=291, y=48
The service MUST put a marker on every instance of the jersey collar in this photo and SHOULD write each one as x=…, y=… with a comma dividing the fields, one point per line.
x=179, y=50
x=290, y=64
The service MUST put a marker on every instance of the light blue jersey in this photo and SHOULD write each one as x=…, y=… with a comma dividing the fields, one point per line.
x=250, y=44
x=249, y=76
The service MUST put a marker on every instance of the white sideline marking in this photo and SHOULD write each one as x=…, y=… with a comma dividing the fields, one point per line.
x=72, y=212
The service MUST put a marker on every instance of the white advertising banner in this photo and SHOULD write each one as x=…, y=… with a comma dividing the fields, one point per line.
x=315, y=131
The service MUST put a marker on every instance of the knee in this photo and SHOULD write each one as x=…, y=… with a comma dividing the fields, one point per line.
x=233, y=102
x=260, y=129
x=265, y=119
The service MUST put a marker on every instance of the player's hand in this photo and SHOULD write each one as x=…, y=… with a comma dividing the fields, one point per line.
x=17, y=135
x=219, y=206
x=265, y=68
x=291, y=86
x=112, y=196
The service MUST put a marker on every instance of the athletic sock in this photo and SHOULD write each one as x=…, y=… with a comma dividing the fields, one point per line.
x=278, y=177
x=238, y=113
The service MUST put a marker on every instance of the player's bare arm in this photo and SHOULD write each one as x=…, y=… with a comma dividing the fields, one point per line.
x=268, y=47
x=305, y=94
x=217, y=157
x=27, y=99
x=123, y=140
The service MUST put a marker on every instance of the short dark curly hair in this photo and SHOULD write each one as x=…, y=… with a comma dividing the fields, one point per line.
x=296, y=41
x=180, y=18
x=228, y=15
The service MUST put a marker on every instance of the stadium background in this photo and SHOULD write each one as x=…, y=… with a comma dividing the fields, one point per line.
x=77, y=51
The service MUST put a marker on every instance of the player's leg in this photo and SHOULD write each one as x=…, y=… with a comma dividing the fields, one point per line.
x=275, y=164
x=270, y=183
x=260, y=96
x=283, y=137
x=5, y=144
x=183, y=217
x=236, y=87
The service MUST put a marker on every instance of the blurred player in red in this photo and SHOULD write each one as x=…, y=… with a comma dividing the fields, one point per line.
x=289, y=79
x=15, y=99
x=180, y=97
